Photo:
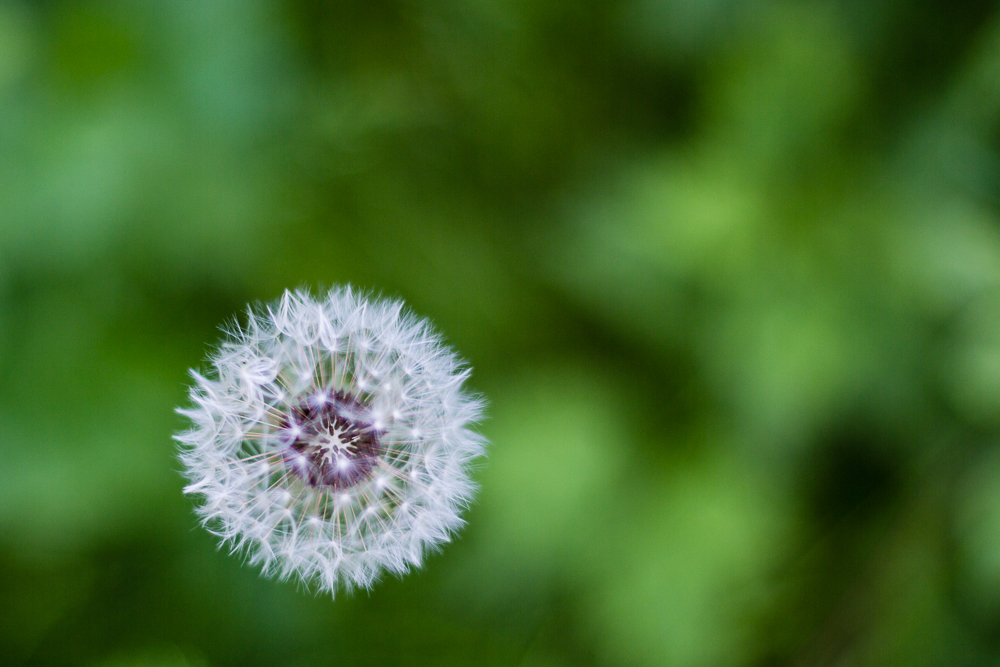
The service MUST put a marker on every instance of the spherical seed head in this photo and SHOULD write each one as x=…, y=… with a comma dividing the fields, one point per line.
x=331, y=440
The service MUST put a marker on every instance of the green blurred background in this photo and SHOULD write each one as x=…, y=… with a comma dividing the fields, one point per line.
x=728, y=273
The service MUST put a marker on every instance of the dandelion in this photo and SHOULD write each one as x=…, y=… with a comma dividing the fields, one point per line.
x=331, y=440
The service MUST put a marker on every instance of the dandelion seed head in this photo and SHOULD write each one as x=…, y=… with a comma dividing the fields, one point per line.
x=331, y=441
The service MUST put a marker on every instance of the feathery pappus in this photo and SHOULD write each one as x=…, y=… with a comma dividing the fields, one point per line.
x=331, y=439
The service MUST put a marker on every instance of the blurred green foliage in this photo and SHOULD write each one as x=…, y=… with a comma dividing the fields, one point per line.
x=728, y=273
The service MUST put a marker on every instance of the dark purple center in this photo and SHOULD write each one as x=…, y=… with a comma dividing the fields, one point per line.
x=329, y=440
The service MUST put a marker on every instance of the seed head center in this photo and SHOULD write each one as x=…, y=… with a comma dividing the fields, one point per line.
x=337, y=442
x=332, y=444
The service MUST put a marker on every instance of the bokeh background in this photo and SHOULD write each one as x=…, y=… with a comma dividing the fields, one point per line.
x=728, y=273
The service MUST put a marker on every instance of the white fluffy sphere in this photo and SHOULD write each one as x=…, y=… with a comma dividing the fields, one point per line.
x=330, y=441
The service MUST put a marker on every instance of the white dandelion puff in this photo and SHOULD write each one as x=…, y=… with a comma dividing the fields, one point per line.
x=331, y=440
